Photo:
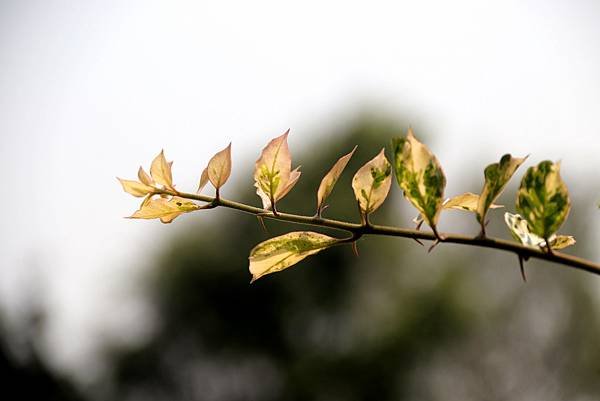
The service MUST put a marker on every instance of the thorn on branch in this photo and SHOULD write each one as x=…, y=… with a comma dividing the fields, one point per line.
x=418, y=241
x=437, y=241
x=262, y=223
x=522, y=267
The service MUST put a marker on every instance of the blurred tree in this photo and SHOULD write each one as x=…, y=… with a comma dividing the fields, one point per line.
x=388, y=325
x=24, y=372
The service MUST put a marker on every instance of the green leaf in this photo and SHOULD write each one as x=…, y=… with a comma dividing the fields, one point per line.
x=497, y=176
x=543, y=199
x=420, y=176
x=519, y=229
x=281, y=252
x=371, y=183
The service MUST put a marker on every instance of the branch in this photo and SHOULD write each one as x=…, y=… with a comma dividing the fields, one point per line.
x=356, y=229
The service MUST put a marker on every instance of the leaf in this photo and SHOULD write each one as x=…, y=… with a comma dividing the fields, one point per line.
x=294, y=176
x=273, y=177
x=164, y=209
x=371, y=183
x=496, y=176
x=281, y=252
x=467, y=202
x=543, y=199
x=144, y=177
x=135, y=188
x=420, y=176
x=562, y=241
x=519, y=229
x=219, y=167
x=160, y=170
x=330, y=179
x=203, y=180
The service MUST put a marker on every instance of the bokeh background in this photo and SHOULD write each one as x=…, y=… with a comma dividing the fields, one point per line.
x=97, y=307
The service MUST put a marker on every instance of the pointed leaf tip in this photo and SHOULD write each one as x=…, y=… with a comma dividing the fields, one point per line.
x=144, y=177
x=203, y=180
x=135, y=188
x=331, y=178
x=286, y=250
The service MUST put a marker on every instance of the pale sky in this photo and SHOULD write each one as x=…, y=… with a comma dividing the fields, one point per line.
x=91, y=90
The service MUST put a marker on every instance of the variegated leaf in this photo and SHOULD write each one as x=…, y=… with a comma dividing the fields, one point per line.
x=519, y=230
x=371, y=183
x=273, y=177
x=281, y=252
x=543, y=199
x=420, y=176
x=497, y=176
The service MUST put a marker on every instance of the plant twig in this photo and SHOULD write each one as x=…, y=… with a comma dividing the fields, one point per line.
x=371, y=229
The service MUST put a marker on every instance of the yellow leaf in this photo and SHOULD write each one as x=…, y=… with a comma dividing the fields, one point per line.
x=164, y=209
x=330, y=179
x=467, y=201
x=203, y=180
x=281, y=252
x=562, y=241
x=420, y=176
x=219, y=167
x=294, y=176
x=135, y=188
x=144, y=177
x=273, y=177
x=160, y=170
x=371, y=183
